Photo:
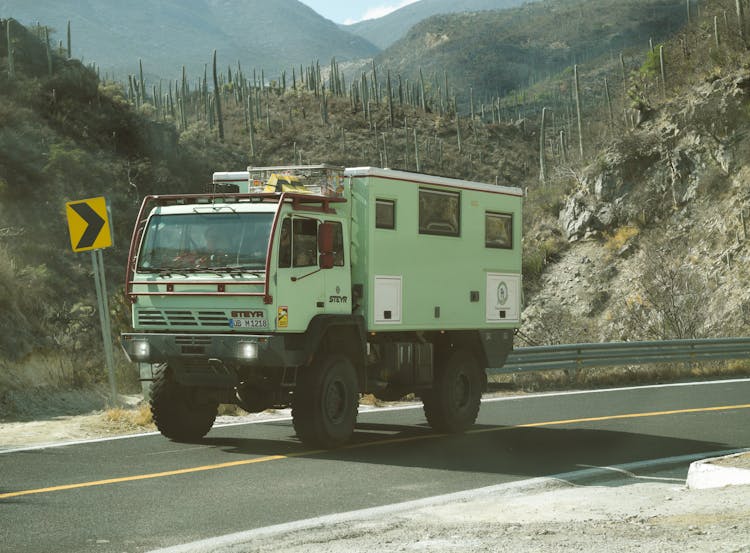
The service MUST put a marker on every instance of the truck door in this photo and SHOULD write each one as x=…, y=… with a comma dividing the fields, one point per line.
x=303, y=290
x=300, y=286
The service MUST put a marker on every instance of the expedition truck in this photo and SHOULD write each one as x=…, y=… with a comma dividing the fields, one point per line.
x=306, y=286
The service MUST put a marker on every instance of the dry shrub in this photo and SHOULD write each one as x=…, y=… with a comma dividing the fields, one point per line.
x=121, y=419
x=615, y=242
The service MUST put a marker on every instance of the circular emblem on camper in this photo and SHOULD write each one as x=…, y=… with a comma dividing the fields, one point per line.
x=338, y=289
x=502, y=293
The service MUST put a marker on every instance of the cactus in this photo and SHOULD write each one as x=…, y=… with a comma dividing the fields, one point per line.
x=578, y=109
x=663, y=74
x=458, y=132
x=324, y=106
x=70, y=51
x=421, y=91
x=716, y=32
x=11, y=52
x=375, y=85
x=48, y=50
x=542, y=160
x=609, y=103
x=416, y=151
x=140, y=80
x=217, y=101
x=740, y=18
x=251, y=124
x=390, y=98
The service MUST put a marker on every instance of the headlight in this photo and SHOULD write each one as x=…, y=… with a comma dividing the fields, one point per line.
x=247, y=350
x=141, y=350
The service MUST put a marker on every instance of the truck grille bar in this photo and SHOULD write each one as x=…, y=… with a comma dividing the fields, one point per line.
x=182, y=318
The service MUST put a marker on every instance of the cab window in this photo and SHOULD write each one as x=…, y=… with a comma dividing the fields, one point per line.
x=298, y=244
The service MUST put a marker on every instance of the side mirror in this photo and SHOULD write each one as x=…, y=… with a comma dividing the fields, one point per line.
x=325, y=244
x=325, y=261
x=325, y=237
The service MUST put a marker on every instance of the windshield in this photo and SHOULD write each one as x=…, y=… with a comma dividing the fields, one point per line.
x=194, y=241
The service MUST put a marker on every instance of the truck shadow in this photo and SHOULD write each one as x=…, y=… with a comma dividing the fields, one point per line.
x=487, y=449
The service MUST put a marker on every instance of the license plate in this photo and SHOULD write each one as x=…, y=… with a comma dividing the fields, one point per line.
x=248, y=323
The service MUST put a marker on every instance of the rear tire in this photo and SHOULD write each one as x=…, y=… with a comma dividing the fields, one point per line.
x=452, y=405
x=324, y=406
x=175, y=411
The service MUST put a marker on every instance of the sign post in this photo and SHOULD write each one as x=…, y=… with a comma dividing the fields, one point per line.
x=88, y=223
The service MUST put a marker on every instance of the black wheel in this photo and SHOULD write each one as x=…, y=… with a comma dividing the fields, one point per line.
x=324, y=406
x=176, y=412
x=452, y=405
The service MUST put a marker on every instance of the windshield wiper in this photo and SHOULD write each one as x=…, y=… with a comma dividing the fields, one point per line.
x=237, y=270
x=169, y=272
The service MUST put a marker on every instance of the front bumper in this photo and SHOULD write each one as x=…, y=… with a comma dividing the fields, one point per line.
x=212, y=359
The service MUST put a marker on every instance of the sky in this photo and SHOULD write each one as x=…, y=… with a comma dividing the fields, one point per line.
x=352, y=11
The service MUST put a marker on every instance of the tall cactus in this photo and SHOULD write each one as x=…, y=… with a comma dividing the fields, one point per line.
x=542, y=158
x=578, y=109
x=70, y=50
x=11, y=52
x=217, y=101
x=609, y=103
x=141, y=81
x=663, y=73
x=740, y=18
x=716, y=32
x=390, y=98
x=49, y=50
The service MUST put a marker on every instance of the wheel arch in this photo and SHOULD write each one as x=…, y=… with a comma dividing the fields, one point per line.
x=339, y=334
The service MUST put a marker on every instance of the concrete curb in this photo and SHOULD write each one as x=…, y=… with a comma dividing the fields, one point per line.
x=705, y=474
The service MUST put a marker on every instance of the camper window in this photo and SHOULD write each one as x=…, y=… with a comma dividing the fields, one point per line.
x=498, y=230
x=439, y=212
x=385, y=214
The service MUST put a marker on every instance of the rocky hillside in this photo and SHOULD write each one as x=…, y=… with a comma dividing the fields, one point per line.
x=658, y=228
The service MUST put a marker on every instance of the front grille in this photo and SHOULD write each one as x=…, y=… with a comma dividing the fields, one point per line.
x=212, y=318
x=151, y=318
x=182, y=318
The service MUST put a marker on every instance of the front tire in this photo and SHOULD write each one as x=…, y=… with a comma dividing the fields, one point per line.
x=452, y=405
x=175, y=410
x=324, y=406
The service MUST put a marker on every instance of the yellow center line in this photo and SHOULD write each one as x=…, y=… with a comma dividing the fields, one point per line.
x=267, y=458
x=626, y=416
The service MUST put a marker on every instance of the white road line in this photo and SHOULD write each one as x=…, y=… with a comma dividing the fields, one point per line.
x=633, y=475
x=414, y=405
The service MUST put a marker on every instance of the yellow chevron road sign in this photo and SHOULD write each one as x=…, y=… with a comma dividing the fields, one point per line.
x=88, y=223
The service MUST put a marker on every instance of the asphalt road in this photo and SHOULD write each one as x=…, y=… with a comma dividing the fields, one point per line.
x=146, y=492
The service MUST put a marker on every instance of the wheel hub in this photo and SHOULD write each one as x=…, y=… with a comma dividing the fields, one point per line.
x=335, y=401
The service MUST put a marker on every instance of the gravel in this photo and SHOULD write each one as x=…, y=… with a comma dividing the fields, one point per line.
x=542, y=515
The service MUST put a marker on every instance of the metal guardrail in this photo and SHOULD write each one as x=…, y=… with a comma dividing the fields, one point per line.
x=620, y=354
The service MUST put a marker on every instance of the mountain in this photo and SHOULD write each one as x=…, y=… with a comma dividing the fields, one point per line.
x=386, y=30
x=501, y=51
x=171, y=33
